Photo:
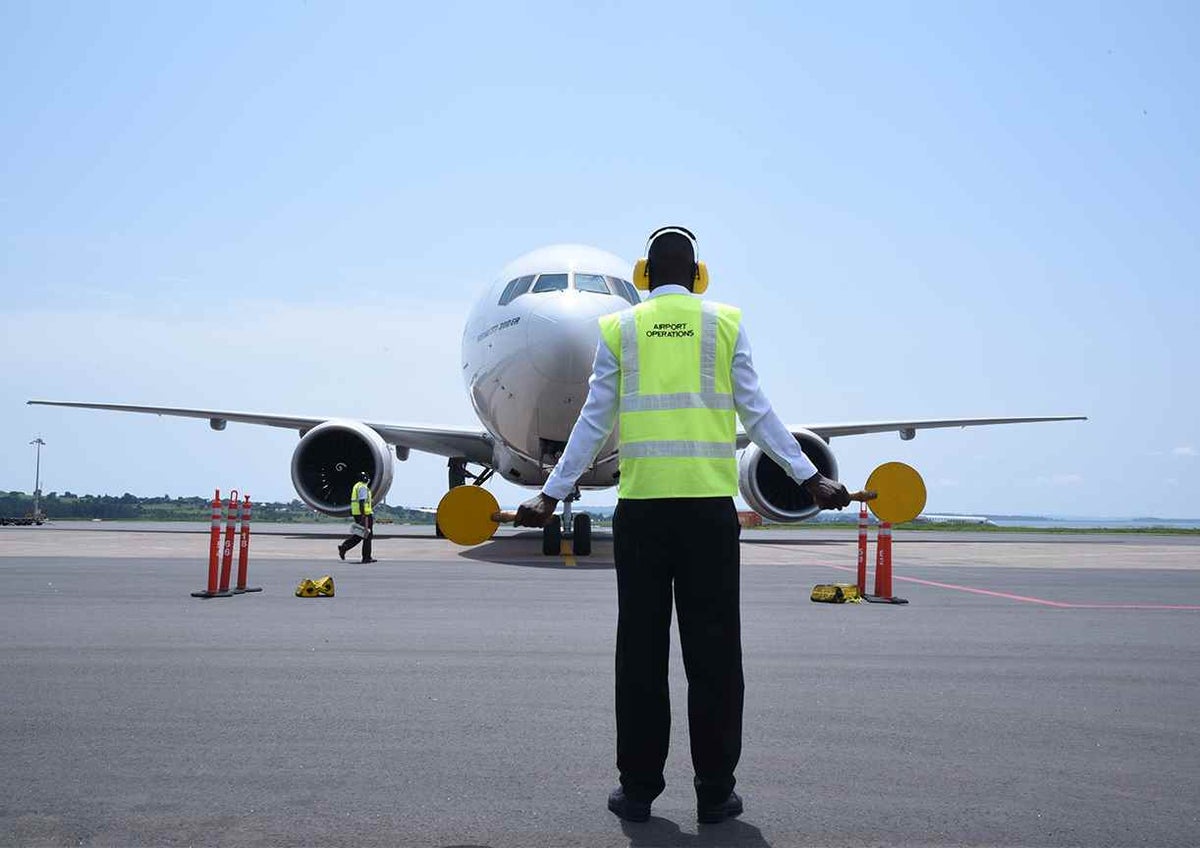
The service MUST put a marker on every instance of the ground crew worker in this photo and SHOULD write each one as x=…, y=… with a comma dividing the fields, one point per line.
x=364, y=517
x=673, y=370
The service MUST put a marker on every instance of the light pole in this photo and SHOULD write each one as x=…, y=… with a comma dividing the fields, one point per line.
x=37, y=479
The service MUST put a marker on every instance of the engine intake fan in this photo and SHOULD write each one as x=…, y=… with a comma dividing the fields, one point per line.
x=770, y=492
x=329, y=460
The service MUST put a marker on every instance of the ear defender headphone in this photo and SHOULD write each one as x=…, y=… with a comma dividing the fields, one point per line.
x=641, y=270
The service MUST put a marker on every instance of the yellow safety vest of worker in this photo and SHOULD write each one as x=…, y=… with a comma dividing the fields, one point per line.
x=360, y=494
x=677, y=420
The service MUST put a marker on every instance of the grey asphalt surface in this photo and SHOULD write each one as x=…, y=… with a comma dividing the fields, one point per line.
x=464, y=697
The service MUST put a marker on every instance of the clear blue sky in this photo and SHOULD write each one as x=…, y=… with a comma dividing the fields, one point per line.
x=925, y=210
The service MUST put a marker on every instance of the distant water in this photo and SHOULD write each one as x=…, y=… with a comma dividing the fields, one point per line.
x=1040, y=522
x=1096, y=523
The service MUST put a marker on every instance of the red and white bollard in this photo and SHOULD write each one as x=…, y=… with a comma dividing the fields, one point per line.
x=883, y=567
x=232, y=517
x=861, y=581
x=883, y=560
x=214, y=547
x=244, y=552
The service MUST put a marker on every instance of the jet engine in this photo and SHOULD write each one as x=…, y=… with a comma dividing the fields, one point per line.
x=768, y=489
x=329, y=460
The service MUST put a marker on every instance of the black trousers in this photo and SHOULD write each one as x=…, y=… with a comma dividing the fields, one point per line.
x=688, y=546
x=352, y=541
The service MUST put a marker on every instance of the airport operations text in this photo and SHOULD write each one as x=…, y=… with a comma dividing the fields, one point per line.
x=670, y=331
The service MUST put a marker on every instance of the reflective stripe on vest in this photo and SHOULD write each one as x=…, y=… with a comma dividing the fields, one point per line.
x=677, y=420
x=365, y=509
x=704, y=450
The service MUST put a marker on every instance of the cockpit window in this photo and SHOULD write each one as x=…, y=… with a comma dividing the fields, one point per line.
x=591, y=283
x=624, y=289
x=550, y=282
x=515, y=289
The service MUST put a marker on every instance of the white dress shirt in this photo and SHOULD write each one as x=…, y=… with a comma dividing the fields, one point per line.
x=599, y=414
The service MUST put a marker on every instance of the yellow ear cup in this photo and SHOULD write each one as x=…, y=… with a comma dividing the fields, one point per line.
x=641, y=275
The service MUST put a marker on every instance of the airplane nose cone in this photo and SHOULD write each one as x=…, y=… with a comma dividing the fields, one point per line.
x=562, y=341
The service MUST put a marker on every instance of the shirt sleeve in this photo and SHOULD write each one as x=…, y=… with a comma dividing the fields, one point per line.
x=762, y=424
x=595, y=423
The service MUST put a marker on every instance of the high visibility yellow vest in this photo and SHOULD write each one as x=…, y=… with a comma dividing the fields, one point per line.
x=678, y=426
x=360, y=490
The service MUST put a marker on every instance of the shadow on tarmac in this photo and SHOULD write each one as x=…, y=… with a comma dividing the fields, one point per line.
x=525, y=551
x=748, y=539
x=342, y=532
x=664, y=832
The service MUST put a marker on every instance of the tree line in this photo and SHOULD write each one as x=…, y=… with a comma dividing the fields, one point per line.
x=130, y=507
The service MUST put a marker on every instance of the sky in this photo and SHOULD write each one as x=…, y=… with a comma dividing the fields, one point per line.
x=924, y=210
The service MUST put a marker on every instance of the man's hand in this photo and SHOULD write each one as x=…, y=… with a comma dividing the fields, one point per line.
x=826, y=493
x=536, y=512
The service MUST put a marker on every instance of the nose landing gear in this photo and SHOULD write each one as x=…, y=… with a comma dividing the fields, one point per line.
x=578, y=530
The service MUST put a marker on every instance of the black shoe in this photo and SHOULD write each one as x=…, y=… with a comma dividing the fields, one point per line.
x=627, y=808
x=365, y=561
x=727, y=809
x=341, y=552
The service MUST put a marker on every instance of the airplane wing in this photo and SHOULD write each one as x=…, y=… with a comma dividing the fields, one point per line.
x=475, y=445
x=908, y=429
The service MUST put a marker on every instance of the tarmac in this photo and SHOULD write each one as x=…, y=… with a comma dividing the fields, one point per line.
x=1037, y=690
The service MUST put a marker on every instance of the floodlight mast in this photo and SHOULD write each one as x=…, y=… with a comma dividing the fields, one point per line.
x=37, y=479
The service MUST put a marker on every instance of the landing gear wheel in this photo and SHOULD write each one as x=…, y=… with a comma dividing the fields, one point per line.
x=581, y=535
x=552, y=537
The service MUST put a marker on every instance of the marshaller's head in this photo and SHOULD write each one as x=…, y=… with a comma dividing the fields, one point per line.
x=671, y=259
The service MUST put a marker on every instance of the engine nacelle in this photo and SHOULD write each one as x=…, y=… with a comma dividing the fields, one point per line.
x=768, y=489
x=329, y=459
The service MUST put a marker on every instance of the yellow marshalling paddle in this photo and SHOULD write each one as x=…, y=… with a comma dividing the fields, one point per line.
x=900, y=492
x=469, y=515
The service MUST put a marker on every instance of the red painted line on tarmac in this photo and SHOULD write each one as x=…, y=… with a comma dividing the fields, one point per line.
x=1136, y=606
x=1029, y=600
x=992, y=593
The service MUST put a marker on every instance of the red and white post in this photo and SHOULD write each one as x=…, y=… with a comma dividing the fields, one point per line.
x=214, y=547
x=232, y=516
x=883, y=560
x=862, y=550
x=883, y=567
x=244, y=552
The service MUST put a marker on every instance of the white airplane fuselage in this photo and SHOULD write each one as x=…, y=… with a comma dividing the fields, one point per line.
x=527, y=353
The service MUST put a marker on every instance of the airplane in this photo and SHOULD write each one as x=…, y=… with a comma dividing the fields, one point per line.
x=527, y=351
